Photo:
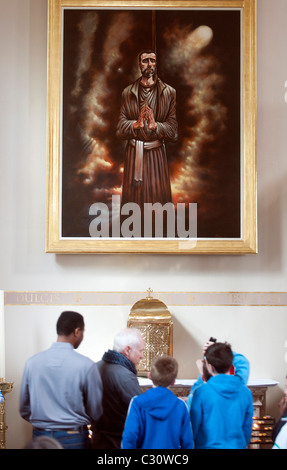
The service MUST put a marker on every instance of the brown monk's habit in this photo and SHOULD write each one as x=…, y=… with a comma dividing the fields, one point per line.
x=146, y=175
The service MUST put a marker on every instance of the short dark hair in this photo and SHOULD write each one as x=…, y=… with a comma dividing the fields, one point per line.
x=163, y=371
x=68, y=322
x=220, y=356
x=146, y=51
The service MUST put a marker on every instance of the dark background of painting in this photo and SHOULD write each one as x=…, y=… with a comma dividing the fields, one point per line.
x=216, y=175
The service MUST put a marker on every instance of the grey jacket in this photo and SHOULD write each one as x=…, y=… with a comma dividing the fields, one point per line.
x=120, y=385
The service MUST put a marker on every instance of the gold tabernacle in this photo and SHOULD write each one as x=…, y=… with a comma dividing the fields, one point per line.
x=153, y=319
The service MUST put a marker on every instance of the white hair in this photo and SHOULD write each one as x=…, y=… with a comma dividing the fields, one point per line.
x=127, y=337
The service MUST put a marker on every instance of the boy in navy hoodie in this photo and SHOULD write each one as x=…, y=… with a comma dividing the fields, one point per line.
x=222, y=408
x=157, y=419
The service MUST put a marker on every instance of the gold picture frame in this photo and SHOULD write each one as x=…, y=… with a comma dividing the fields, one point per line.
x=238, y=236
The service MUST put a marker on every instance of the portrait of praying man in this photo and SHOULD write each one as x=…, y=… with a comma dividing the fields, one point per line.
x=158, y=127
x=147, y=120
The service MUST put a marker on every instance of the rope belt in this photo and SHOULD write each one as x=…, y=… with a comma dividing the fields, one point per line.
x=140, y=146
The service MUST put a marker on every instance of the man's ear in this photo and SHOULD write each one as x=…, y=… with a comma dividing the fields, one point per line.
x=210, y=368
x=213, y=370
x=126, y=351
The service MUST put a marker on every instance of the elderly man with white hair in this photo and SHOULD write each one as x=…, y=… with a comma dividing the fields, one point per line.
x=120, y=384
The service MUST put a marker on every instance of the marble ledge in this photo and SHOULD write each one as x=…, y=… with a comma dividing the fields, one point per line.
x=145, y=382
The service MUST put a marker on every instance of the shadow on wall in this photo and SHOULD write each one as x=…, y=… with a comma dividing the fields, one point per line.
x=186, y=350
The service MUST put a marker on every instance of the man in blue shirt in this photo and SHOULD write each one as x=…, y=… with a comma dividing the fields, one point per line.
x=61, y=390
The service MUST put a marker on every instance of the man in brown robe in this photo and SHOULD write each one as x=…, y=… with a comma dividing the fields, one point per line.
x=147, y=119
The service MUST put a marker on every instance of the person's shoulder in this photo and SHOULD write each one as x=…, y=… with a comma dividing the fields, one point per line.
x=145, y=398
x=246, y=389
x=131, y=87
x=38, y=356
x=181, y=404
x=202, y=389
x=127, y=89
x=165, y=86
x=82, y=359
x=118, y=372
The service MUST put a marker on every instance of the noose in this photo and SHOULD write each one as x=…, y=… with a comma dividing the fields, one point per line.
x=153, y=31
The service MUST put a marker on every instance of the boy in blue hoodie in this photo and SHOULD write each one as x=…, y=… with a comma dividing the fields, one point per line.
x=222, y=408
x=157, y=419
x=240, y=368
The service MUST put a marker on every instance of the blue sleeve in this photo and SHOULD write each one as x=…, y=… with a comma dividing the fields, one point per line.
x=94, y=393
x=132, y=429
x=196, y=412
x=248, y=420
x=186, y=432
x=192, y=390
x=241, y=367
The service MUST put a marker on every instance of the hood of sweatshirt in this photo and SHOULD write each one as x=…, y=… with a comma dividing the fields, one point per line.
x=158, y=402
x=225, y=385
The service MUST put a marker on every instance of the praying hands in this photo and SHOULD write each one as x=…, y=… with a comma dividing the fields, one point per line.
x=146, y=114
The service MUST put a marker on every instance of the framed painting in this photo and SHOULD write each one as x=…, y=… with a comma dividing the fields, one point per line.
x=151, y=127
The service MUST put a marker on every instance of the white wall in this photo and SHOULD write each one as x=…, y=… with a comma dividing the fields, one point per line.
x=259, y=332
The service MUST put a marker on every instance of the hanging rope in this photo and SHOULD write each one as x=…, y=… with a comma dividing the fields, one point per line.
x=153, y=31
